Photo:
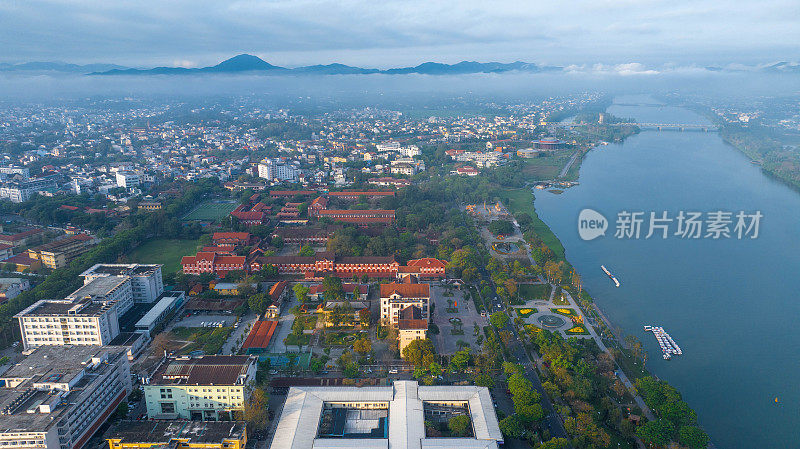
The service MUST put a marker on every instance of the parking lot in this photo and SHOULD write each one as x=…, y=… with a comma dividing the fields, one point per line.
x=198, y=320
x=446, y=341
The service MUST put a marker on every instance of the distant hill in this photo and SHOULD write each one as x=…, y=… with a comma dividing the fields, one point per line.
x=58, y=67
x=783, y=67
x=253, y=64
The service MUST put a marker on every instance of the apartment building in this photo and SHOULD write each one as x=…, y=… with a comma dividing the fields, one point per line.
x=58, y=397
x=146, y=279
x=211, y=387
x=107, y=289
x=59, y=253
x=64, y=322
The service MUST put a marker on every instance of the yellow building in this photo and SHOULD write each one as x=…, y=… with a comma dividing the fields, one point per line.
x=178, y=435
x=150, y=205
x=59, y=253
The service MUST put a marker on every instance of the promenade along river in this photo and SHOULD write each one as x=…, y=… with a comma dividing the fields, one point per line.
x=732, y=305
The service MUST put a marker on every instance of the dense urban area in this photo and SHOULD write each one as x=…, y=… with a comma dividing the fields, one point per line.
x=236, y=272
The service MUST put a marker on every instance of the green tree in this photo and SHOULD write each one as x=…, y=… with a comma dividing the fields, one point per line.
x=658, y=432
x=419, y=352
x=259, y=302
x=332, y=286
x=307, y=251
x=555, y=443
x=499, y=320
x=459, y=425
x=301, y=293
x=693, y=437
x=512, y=427
x=362, y=346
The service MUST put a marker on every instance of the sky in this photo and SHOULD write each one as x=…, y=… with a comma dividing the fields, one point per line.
x=392, y=33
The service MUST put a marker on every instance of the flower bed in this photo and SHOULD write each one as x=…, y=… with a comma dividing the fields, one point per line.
x=525, y=312
x=579, y=329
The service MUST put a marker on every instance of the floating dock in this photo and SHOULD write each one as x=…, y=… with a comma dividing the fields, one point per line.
x=611, y=276
x=668, y=345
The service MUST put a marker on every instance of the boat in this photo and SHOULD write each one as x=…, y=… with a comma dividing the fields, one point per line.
x=611, y=276
x=665, y=341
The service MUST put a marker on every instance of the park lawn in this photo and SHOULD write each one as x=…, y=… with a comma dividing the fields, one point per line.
x=558, y=298
x=297, y=340
x=207, y=339
x=210, y=211
x=522, y=200
x=164, y=251
x=546, y=168
x=534, y=291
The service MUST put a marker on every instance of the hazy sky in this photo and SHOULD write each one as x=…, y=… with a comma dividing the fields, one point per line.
x=380, y=33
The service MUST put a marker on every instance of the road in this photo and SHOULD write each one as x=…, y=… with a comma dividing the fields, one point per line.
x=569, y=164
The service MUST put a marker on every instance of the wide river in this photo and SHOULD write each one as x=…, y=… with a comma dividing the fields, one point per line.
x=732, y=305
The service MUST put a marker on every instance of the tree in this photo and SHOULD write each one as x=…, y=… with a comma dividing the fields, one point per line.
x=301, y=293
x=459, y=426
x=307, y=251
x=499, y=320
x=332, y=286
x=245, y=288
x=555, y=443
x=512, y=427
x=658, y=432
x=693, y=437
x=501, y=227
x=362, y=346
x=459, y=361
x=483, y=380
x=419, y=352
x=255, y=410
x=259, y=302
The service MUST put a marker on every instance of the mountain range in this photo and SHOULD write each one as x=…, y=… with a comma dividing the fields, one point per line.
x=250, y=64
x=253, y=64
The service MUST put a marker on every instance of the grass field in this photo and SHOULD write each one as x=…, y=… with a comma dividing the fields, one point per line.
x=546, y=168
x=167, y=252
x=521, y=200
x=207, y=339
x=534, y=291
x=210, y=211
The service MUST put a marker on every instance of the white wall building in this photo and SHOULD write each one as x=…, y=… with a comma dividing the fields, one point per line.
x=127, y=179
x=147, y=282
x=272, y=169
x=56, y=398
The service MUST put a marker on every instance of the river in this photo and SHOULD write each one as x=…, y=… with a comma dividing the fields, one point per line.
x=732, y=305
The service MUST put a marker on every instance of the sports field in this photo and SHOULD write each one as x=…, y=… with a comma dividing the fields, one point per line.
x=210, y=211
x=164, y=251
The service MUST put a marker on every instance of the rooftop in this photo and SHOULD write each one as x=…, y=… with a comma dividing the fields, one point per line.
x=99, y=287
x=300, y=418
x=196, y=432
x=205, y=370
x=121, y=269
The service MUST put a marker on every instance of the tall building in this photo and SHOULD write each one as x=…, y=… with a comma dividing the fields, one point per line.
x=273, y=169
x=127, y=179
x=388, y=417
x=146, y=280
x=57, y=397
x=210, y=387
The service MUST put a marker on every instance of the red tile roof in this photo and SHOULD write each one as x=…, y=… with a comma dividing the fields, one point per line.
x=261, y=334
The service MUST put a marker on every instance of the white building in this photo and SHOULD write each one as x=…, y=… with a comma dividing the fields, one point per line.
x=62, y=322
x=202, y=388
x=127, y=179
x=160, y=311
x=147, y=282
x=10, y=288
x=107, y=289
x=272, y=169
x=388, y=417
x=56, y=398
x=397, y=297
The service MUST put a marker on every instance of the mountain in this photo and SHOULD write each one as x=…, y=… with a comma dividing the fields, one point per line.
x=56, y=66
x=783, y=67
x=245, y=63
x=241, y=63
x=334, y=69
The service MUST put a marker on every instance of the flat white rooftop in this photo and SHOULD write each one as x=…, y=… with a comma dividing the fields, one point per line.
x=299, y=422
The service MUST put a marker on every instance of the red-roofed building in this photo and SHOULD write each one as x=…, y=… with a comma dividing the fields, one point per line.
x=250, y=215
x=232, y=238
x=352, y=195
x=396, y=297
x=209, y=262
x=285, y=193
x=427, y=267
x=319, y=204
x=260, y=336
x=359, y=217
x=390, y=182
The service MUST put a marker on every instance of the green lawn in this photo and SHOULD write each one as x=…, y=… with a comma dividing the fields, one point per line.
x=546, y=168
x=534, y=291
x=521, y=200
x=211, y=211
x=206, y=339
x=165, y=251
